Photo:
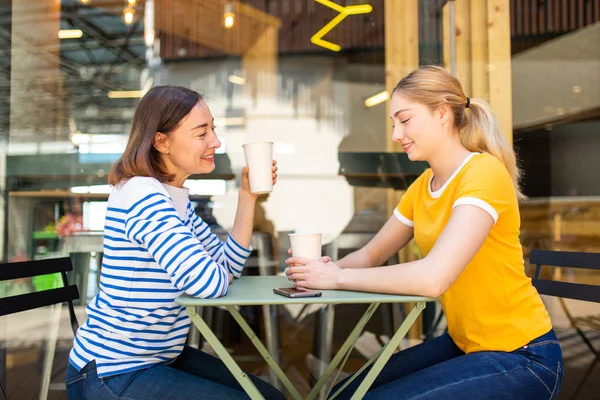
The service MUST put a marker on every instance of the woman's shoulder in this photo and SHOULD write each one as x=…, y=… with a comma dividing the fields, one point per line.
x=422, y=180
x=135, y=189
x=485, y=160
x=487, y=166
x=140, y=184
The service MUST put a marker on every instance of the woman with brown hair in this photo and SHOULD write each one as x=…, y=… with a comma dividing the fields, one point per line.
x=155, y=248
x=463, y=213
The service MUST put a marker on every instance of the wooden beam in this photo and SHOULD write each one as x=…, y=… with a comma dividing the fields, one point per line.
x=483, y=58
x=499, y=56
x=446, y=35
x=201, y=21
x=479, y=50
x=401, y=57
x=462, y=45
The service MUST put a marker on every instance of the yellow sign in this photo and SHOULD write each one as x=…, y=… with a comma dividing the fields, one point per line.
x=317, y=38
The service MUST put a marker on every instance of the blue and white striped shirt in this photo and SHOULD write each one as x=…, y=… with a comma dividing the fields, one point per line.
x=155, y=249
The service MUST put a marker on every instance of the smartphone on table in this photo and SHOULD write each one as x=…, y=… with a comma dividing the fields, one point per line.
x=296, y=292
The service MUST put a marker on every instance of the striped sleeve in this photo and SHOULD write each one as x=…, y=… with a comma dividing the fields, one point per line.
x=153, y=223
x=230, y=254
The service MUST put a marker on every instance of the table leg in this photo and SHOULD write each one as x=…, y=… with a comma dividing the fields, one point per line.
x=270, y=313
x=271, y=320
x=327, y=319
x=243, y=379
x=264, y=352
x=346, y=348
x=386, y=352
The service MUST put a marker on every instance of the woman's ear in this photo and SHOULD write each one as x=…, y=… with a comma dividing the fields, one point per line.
x=161, y=143
x=444, y=113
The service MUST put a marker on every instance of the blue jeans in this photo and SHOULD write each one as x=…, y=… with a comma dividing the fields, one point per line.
x=438, y=369
x=193, y=375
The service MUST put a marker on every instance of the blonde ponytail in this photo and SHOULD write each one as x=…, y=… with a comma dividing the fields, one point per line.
x=434, y=86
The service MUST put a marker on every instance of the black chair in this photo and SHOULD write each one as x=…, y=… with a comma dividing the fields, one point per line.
x=29, y=301
x=570, y=290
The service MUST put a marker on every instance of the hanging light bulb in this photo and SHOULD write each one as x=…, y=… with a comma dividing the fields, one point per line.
x=132, y=3
x=149, y=33
x=228, y=16
x=128, y=14
x=84, y=1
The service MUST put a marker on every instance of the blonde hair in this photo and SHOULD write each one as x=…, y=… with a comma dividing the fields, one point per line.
x=433, y=86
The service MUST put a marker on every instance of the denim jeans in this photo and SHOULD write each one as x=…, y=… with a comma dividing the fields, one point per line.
x=438, y=369
x=193, y=375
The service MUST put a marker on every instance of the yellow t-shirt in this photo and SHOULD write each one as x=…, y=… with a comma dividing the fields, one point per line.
x=492, y=305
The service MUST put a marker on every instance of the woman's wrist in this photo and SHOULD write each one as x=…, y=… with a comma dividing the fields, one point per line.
x=247, y=198
x=342, y=280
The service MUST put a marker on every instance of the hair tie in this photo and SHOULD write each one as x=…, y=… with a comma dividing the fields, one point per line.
x=468, y=103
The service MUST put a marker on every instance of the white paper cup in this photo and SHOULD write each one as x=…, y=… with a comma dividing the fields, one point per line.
x=259, y=159
x=306, y=245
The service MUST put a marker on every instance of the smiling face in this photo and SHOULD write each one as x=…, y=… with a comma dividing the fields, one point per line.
x=416, y=127
x=190, y=148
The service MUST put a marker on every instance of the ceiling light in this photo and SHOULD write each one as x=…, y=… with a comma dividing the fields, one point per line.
x=125, y=94
x=228, y=16
x=132, y=3
x=131, y=94
x=238, y=80
x=576, y=89
x=84, y=1
x=70, y=33
x=377, y=99
x=128, y=14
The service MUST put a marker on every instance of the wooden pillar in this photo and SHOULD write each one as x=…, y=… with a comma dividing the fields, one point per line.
x=401, y=57
x=483, y=58
x=499, y=56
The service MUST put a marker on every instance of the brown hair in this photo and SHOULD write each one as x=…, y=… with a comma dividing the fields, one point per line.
x=160, y=110
x=433, y=86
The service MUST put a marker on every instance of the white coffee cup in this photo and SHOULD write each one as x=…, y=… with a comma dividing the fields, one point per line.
x=259, y=159
x=306, y=245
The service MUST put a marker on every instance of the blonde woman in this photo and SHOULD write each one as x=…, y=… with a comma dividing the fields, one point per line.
x=463, y=213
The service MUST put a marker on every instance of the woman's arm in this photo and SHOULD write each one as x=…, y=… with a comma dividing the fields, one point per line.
x=393, y=236
x=153, y=223
x=244, y=219
x=230, y=254
x=431, y=276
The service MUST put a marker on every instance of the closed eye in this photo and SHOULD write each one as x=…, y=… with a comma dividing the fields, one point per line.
x=405, y=121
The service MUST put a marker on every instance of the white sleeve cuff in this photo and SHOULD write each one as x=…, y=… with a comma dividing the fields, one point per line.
x=473, y=201
x=403, y=219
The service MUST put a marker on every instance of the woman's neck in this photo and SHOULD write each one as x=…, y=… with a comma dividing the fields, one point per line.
x=178, y=181
x=446, y=162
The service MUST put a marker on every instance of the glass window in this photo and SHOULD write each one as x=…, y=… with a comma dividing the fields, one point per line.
x=73, y=71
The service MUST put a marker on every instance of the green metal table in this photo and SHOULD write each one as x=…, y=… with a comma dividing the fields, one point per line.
x=258, y=290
